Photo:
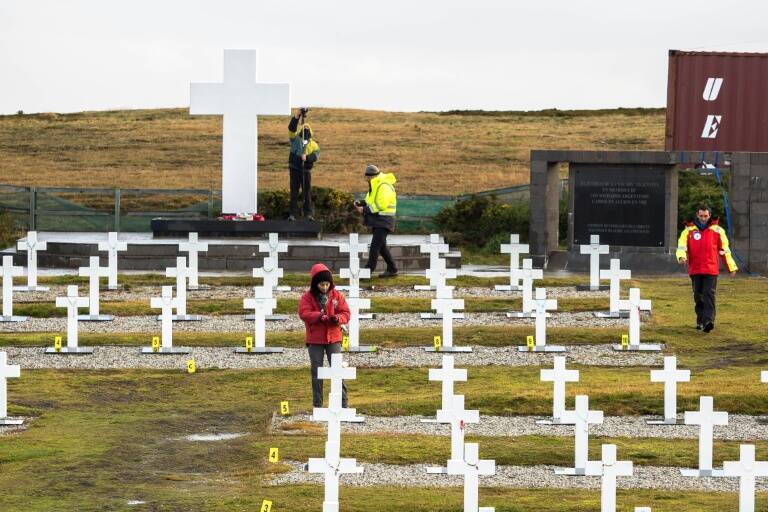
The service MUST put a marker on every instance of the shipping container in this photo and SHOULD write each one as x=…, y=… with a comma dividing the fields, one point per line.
x=717, y=101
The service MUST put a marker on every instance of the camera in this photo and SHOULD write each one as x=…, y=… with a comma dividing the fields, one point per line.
x=358, y=202
x=303, y=110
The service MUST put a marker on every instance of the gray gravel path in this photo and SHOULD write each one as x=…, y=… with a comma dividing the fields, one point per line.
x=740, y=427
x=520, y=477
x=111, y=357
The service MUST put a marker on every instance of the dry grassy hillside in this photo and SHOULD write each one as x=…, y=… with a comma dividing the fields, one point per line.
x=431, y=153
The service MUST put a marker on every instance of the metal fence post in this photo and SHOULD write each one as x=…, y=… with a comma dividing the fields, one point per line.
x=32, y=209
x=210, y=204
x=117, y=209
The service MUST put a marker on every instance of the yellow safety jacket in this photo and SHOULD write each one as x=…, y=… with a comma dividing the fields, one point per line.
x=382, y=198
x=701, y=247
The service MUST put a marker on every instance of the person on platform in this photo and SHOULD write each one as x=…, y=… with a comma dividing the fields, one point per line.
x=304, y=153
x=701, y=245
x=324, y=310
x=378, y=212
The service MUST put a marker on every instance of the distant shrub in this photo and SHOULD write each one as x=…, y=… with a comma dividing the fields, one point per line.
x=333, y=207
x=10, y=230
x=482, y=221
x=693, y=189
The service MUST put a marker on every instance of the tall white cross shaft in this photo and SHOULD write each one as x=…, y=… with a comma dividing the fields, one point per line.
x=594, y=249
x=581, y=417
x=670, y=376
x=514, y=248
x=448, y=375
x=181, y=273
x=746, y=469
x=435, y=248
x=6, y=372
x=471, y=468
x=634, y=305
x=9, y=272
x=355, y=305
x=457, y=417
x=706, y=418
x=166, y=303
x=615, y=275
x=93, y=272
x=528, y=274
x=559, y=375
x=193, y=246
x=263, y=304
x=609, y=468
x=72, y=302
x=32, y=245
x=445, y=306
x=240, y=100
x=112, y=246
x=541, y=306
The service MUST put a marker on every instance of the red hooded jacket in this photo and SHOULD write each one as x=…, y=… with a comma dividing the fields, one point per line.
x=317, y=331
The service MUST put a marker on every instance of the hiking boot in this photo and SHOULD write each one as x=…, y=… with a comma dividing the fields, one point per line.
x=708, y=326
x=291, y=218
x=309, y=217
x=699, y=327
x=388, y=273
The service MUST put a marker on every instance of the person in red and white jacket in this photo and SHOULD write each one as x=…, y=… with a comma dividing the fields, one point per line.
x=701, y=245
x=324, y=310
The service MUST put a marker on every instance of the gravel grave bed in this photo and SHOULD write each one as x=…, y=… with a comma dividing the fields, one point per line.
x=111, y=357
x=143, y=293
x=519, y=477
x=237, y=323
x=740, y=427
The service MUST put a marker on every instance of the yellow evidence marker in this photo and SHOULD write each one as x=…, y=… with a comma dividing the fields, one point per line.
x=438, y=343
x=57, y=343
x=273, y=455
x=624, y=342
x=155, y=343
x=191, y=367
x=345, y=343
x=266, y=506
x=284, y=410
x=249, y=343
x=530, y=342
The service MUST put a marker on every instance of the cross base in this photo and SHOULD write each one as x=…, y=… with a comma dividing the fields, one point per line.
x=429, y=420
x=282, y=288
x=438, y=316
x=642, y=347
x=183, y=318
x=551, y=421
x=762, y=420
x=507, y=288
x=198, y=287
x=448, y=349
x=435, y=470
x=666, y=421
x=166, y=350
x=72, y=351
x=366, y=316
x=269, y=318
x=698, y=473
x=520, y=314
x=363, y=348
x=571, y=471
x=95, y=318
x=611, y=314
x=259, y=350
x=588, y=288
x=356, y=419
x=424, y=287
x=113, y=288
x=13, y=318
x=11, y=421
x=541, y=348
x=25, y=288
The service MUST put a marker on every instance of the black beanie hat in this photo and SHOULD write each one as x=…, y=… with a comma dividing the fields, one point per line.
x=324, y=275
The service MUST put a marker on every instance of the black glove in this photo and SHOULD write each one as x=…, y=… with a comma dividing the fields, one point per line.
x=335, y=319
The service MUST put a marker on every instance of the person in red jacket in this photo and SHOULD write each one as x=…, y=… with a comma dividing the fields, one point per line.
x=701, y=244
x=324, y=310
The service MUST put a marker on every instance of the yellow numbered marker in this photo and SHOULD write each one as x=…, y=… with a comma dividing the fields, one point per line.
x=530, y=342
x=155, y=343
x=266, y=506
x=57, y=343
x=191, y=367
x=438, y=343
x=624, y=342
x=249, y=343
x=273, y=455
x=345, y=343
x=284, y=410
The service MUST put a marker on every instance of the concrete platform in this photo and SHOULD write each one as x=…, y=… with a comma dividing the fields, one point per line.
x=73, y=250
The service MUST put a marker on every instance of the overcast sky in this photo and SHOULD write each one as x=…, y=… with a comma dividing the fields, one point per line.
x=73, y=55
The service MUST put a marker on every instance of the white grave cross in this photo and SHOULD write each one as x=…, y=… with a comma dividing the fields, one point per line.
x=448, y=375
x=746, y=469
x=438, y=274
x=457, y=417
x=541, y=305
x=355, y=305
x=9, y=272
x=166, y=303
x=471, y=467
x=594, y=249
x=434, y=247
x=93, y=272
x=445, y=305
x=31, y=244
x=181, y=273
x=514, y=248
x=670, y=376
x=527, y=273
x=112, y=246
x=354, y=273
x=706, y=418
x=609, y=468
x=72, y=302
x=332, y=465
x=6, y=372
x=193, y=246
x=240, y=99
x=263, y=304
x=615, y=274
x=270, y=272
x=634, y=305
x=581, y=417
x=559, y=375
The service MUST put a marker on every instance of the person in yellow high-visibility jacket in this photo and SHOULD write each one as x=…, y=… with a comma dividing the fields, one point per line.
x=379, y=212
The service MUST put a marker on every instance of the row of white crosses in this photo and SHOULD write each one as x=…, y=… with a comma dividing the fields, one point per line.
x=356, y=303
x=332, y=464
x=527, y=274
x=514, y=248
x=541, y=306
x=594, y=249
x=445, y=305
x=271, y=272
x=465, y=460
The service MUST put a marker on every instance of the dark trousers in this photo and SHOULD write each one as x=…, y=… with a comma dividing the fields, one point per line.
x=704, y=288
x=379, y=246
x=301, y=180
x=316, y=354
